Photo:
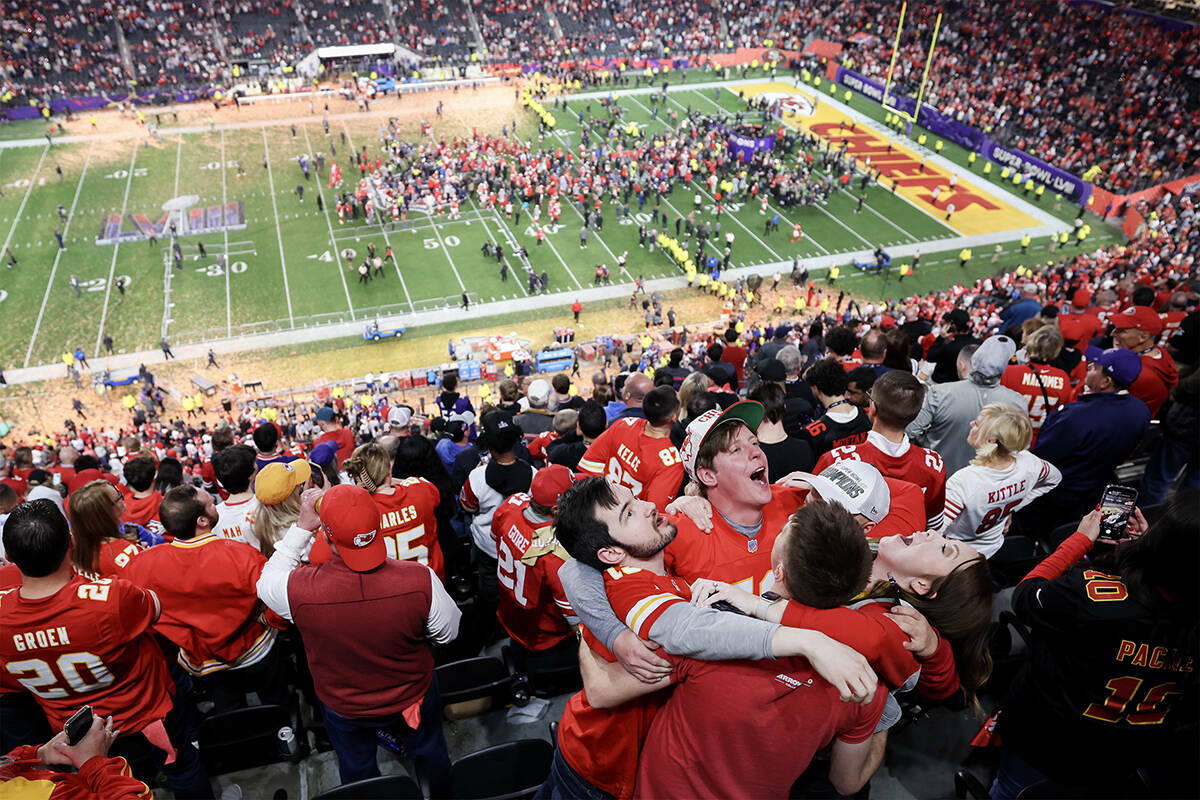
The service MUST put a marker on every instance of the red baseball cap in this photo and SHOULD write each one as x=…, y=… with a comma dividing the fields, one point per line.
x=1140, y=317
x=351, y=521
x=1082, y=298
x=549, y=484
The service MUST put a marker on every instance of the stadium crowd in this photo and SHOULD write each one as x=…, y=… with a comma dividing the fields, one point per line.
x=858, y=483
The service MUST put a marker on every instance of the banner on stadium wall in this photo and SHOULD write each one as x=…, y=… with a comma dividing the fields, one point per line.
x=1058, y=180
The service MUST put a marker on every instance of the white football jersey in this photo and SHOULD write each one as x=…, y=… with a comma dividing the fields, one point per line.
x=980, y=500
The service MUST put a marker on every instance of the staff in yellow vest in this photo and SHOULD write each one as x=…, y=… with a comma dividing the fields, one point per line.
x=964, y=256
x=834, y=272
x=905, y=271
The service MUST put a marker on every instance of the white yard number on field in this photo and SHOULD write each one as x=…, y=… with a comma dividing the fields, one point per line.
x=640, y=216
x=215, y=270
x=549, y=229
x=230, y=164
x=451, y=241
x=121, y=174
x=99, y=284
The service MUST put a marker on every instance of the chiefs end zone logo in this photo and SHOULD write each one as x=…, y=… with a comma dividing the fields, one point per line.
x=792, y=103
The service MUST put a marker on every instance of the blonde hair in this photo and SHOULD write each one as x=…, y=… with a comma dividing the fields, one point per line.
x=1032, y=326
x=271, y=522
x=1001, y=431
x=1044, y=344
x=695, y=383
x=369, y=467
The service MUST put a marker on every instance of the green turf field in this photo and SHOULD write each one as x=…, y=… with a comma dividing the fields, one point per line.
x=284, y=268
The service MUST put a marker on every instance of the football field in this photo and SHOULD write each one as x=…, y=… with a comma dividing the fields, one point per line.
x=273, y=262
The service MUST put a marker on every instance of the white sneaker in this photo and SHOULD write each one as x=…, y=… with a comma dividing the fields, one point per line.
x=231, y=792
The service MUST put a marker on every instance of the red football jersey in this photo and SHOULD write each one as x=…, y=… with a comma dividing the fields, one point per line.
x=408, y=524
x=917, y=465
x=726, y=555
x=143, y=511
x=114, y=555
x=906, y=513
x=533, y=605
x=224, y=630
x=1030, y=380
x=602, y=745
x=1171, y=321
x=1080, y=328
x=1158, y=377
x=89, y=643
x=626, y=456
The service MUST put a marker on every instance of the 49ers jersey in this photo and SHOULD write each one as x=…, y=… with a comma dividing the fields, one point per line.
x=625, y=456
x=1044, y=388
x=532, y=605
x=726, y=555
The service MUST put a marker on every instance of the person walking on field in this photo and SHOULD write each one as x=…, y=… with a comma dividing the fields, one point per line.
x=165, y=346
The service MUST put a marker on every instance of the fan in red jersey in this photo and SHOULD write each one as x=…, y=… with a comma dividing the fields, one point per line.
x=1045, y=387
x=71, y=640
x=407, y=510
x=638, y=453
x=1136, y=329
x=895, y=401
x=533, y=608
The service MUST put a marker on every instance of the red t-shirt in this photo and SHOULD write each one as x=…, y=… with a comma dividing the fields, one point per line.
x=1158, y=377
x=746, y=729
x=533, y=605
x=626, y=456
x=735, y=355
x=225, y=629
x=602, y=745
x=143, y=511
x=408, y=524
x=917, y=465
x=726, y=555
x=1080, y=328
x=88, y=643
x=1030, y=380
x=343, y=438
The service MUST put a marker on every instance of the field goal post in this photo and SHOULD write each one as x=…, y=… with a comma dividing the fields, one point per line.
x=909, y=118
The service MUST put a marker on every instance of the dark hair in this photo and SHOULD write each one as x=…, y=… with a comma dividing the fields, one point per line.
x=863, y=378
x=1142, y=296
x=664, y=378
x=700, y=402
x=455, y=429
x=873, y=344
x=898, y=397
x=417, y=458
x=592, y=419
x=222, y=437
x=827, y=376
x=139, y=473
x=899, y=350
x=561, y=383
x=714, y=351
x=731, y=335
x=170, y=475
x=36, y=538
x=266, y=436
x=841, y=340
x=449, y=382
x=772, y=397
x=816, y=331
x=179, y=510
x=86, y=462
x=576, y=526
x=234, y=467
x=826, y=559
x=960, y=607
x=659, y=405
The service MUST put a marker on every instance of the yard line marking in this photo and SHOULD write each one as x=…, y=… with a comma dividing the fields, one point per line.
x=819, y=207
x=116, y=249
x=168, y=277
x=54, y=269
x=486, y=230
x=178, y=156
x=21, y=208
x=379, y=215
x=287, y=292
x=337, y=262
x=446, y=250
x=225, y=232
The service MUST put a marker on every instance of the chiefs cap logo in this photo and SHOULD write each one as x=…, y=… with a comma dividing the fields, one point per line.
x=364, y=539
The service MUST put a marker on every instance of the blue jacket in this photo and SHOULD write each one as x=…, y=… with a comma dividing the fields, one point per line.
x=1018, y=312
x=1089, y=437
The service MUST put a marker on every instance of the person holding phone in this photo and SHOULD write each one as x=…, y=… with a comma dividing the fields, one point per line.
x=1109, y=687
x=95, y=776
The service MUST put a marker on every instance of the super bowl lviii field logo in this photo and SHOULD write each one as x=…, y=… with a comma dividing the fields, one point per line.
x=792, y=102
x=180, y=217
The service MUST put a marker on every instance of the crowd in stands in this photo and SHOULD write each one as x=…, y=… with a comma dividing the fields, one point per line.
x=171, y=43
x=253, y=32
x=921, y=455
x=1076, y=85
x=437, y=29
x=333, y=22
x=516, y=31
x=61, y=48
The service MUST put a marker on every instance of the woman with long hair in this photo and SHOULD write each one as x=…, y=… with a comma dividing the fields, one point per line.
x=277, y=488
x=1105, y=705
x=103, y=546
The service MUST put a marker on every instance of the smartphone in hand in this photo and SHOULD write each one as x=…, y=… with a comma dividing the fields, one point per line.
x=78, y=725
x=1116, y=506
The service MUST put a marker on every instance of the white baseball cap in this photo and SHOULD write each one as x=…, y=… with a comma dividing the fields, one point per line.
x=538, y=392
x=748, y=411
x=856, y=486
x=400, y=416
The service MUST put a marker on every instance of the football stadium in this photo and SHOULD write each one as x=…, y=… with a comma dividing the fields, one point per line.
x=582, y=399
